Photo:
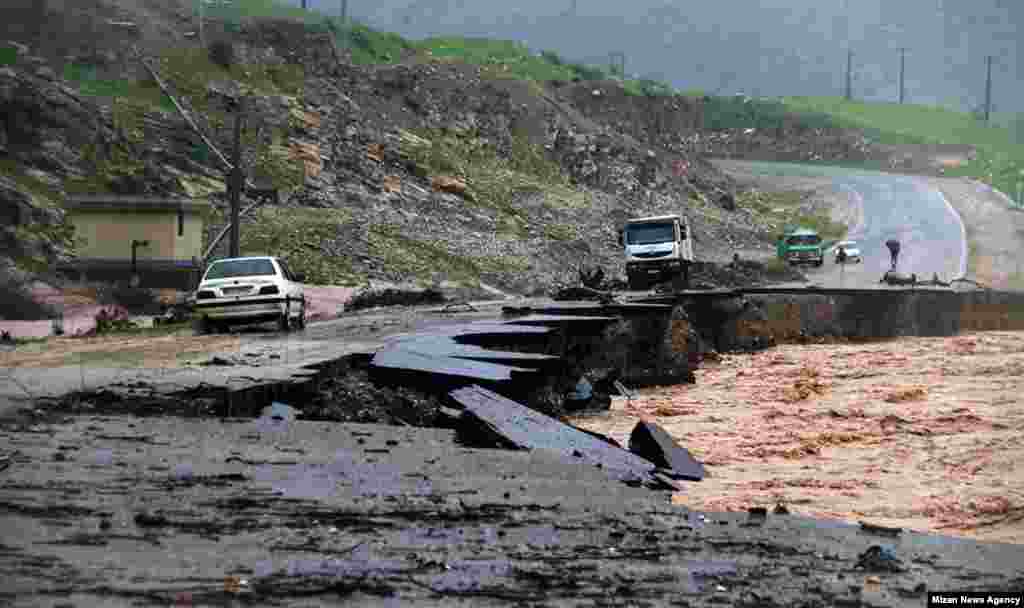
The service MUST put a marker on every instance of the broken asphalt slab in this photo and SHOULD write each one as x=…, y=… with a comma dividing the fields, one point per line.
x=490, y=415
x=650, y=441
x=312, y=513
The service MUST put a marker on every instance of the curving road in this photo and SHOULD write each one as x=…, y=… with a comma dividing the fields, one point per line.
x=883, y=206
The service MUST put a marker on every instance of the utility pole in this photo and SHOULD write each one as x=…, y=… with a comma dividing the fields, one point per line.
x=988, y=87
x=618, y=63
x=344, y=23
x=237, y=181
x=849, y=75
x=903, y=64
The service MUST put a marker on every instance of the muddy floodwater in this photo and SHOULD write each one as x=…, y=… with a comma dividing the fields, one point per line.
x=923, y=433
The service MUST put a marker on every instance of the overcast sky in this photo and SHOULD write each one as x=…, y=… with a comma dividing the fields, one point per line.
x=757, y=47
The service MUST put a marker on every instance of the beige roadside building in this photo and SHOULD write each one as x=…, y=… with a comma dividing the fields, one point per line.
x=158, y=240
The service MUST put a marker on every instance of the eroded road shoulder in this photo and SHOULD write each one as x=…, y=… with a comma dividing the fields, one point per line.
x=995, y=232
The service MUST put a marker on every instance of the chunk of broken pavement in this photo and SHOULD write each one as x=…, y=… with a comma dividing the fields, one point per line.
x=280, y=411
x=652, y=442
x=148, y=519
x=489, y=418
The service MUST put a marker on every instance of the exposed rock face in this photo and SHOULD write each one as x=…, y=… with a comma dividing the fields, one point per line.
x=45, y=124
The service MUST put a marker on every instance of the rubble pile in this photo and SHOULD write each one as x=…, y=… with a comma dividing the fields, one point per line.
x=352, y=397
x=744, y=273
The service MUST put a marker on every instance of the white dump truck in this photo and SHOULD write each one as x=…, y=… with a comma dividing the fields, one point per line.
x=658, y=248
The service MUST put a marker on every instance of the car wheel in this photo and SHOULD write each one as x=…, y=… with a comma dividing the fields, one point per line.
x=300, y=322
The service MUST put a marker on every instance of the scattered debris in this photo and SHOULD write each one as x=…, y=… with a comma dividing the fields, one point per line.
x=580, y=396
x=455, y=306
x=280, y=412
x=907, y=394
x=375, y=152
x=650, y=441
x=217, y=361
x=807, y=384
x=781, y=509
x=892, y=277
x=392, y=184
x=147, y=519
x=881, y=530
x=394, y=297
x=879, y=559
x=756, y=516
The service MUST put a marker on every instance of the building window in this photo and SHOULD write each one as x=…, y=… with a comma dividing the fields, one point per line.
x=181, y=222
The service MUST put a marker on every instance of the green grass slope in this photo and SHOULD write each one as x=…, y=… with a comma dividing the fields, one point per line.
x=1000, y=160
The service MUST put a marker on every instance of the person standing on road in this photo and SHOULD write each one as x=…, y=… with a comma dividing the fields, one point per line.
x=894, y=251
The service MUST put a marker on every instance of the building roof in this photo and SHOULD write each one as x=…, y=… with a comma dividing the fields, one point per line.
x=801, y=232
x=654, y=218
x=139, y=203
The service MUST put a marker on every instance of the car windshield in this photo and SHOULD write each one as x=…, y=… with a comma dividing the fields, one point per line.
x=240, y=268
x=648, y=234
x=804, y=239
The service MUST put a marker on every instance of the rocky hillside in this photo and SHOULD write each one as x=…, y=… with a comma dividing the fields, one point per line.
x=420, y=169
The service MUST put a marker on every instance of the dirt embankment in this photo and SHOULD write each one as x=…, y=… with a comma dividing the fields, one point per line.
x=921, y=433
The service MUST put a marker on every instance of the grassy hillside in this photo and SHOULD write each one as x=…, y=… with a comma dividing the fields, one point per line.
x=1000, y=159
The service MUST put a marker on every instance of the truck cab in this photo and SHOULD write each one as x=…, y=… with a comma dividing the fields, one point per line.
x=657, y=248
x=801, y=246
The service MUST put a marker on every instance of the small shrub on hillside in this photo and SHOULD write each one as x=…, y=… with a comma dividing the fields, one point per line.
x=222, y=53
x=551, y=57
x=586, y=72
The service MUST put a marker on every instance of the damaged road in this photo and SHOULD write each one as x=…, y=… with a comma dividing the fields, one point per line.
x=119, y=511
x=203, y=497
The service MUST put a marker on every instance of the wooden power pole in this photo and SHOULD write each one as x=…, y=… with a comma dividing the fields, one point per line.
x=849, y=75
x=903, y=65
x=988, y=87
x=237, y=182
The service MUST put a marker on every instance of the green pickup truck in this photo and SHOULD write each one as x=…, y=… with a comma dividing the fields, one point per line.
x=801, y=246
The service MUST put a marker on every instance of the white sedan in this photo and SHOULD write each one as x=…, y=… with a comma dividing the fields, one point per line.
x=853, y=255
x=250, y=290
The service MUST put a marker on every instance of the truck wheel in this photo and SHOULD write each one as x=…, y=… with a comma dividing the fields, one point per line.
x=201, y=326
x=819, y=263
x=300, y=321
x=637, y=283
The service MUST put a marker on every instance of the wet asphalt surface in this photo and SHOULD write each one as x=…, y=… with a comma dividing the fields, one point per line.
x=904, y=207
x=117, y=511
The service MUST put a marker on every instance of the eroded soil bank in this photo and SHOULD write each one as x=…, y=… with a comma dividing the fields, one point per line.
x=922, y=433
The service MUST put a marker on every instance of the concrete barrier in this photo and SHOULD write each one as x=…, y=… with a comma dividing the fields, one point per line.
x=889, y=313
